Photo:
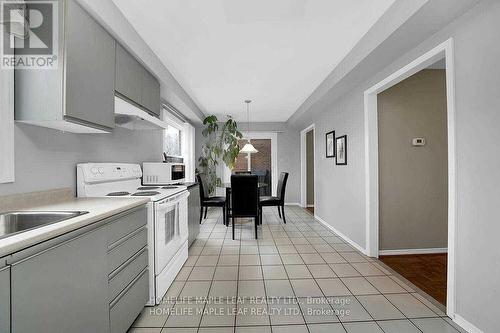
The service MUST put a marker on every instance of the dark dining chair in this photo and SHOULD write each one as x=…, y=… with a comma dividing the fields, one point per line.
x=245, y=198
x=207, y=201
x=279, y=200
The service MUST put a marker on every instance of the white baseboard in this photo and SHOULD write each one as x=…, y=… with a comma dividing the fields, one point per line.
x=292, y=204
x=344, y=237
x=460, y=321
x=412, y=251
x=310, y=206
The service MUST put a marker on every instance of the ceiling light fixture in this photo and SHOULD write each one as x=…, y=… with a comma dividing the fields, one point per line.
x=248, y=148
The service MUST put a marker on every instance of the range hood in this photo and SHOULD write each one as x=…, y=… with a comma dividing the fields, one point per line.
x=129, y=116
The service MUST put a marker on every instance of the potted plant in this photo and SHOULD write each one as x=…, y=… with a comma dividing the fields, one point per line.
x=221, y=145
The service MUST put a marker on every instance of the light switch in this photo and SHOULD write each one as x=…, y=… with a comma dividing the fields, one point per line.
x=418, y=142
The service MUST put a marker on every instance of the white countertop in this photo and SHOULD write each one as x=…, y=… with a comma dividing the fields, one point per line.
x=97, y=208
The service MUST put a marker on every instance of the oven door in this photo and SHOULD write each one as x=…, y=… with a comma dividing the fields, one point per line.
x=170, y=229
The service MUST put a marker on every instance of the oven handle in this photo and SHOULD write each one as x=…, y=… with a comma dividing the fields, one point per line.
x=174, y=199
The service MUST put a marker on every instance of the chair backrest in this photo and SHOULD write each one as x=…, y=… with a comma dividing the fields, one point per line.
x=202, y=180
x=242, y=172
x=282, y=186
x=244, y=195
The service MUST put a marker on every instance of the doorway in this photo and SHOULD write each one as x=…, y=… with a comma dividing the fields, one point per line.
x=307, y=166
x=444, y=50
x=413, y=179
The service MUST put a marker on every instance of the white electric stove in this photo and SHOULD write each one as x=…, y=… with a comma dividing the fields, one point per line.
x=167, y=216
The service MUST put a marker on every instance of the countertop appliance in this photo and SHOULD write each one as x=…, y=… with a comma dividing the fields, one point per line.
x=163, y=173
x=167, y=217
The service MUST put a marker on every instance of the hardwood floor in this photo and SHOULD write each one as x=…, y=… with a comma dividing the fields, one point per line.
x=311, y=210
x=426, y=271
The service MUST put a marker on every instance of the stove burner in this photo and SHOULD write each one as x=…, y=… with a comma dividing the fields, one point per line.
x=147, y=188
x=145, y=194
x=169, y=187
x=117, y=194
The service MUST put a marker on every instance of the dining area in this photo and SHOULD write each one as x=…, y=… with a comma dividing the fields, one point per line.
x=244, y=199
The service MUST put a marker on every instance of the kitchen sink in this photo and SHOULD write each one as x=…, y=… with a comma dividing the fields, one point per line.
x=16, y=222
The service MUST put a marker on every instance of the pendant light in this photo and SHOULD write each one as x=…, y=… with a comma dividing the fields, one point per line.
x=248, y=148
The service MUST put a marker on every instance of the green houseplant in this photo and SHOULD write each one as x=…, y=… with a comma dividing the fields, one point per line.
x=221, y=145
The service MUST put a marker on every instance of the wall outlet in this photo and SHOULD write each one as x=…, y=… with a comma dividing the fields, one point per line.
x=418, y=142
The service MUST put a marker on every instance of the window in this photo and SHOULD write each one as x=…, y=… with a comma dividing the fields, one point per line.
x=173, y=141
x=178, y=140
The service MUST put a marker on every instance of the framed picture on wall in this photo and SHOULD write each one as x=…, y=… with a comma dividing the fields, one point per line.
x=330, y=144
x=341, y=150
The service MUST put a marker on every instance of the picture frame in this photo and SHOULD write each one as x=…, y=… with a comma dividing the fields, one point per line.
x=330, y=144
x=341, y=150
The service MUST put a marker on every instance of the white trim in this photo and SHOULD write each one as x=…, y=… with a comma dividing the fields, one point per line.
x=341, y=235
x=310, y=206
x=466, y=325
x=413, y=251
x=292, y=204
x=371, y=151
x=303, y=164
x=273, y=136
x=7, y=166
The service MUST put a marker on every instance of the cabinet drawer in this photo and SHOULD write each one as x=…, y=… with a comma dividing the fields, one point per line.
x=129, y=304
x=125, y=274
x=122, y=252
x=125, y=225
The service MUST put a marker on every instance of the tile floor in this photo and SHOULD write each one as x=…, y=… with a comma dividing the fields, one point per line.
x=298, y=277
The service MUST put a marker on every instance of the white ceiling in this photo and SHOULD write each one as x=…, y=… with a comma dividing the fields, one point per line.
x=275, y=52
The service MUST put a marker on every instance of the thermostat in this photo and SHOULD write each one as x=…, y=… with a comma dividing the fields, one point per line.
x=418, y=142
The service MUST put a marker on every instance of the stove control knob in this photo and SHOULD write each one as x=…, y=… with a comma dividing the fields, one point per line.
x=101, y=170
x=94, y=170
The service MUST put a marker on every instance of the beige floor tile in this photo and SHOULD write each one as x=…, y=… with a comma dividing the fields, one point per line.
x=385, y=284
x=370, y=327
x=398, y=326
x=185, y=314
x=227, y=273
x=333, y=287
x=216, y=314
x=292, y=259
x=275, y=272
x=251, y=313
x=434, y=325
x=284, y=312
x=251, y=289
x=367, y=269
x=344, y=270
x=359, y=286
x=306, y=288
x=312, y=258
x=207, y=260
x=279, y=288
x=228, y=260
x=326, y=328
x=321, y=271
x=223, y=289
x=201, y=273
x=290, y=329
x=193, y=289
x=379, y=307
x=249, y=259
x=250, y=273
x=317, y=310
x=270, y=259
x=410, y=306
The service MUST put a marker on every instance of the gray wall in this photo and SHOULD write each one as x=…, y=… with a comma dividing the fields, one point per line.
x=46, y=159
x=341, y=193
x=288, y=153
x=413, y=181
x=310, y=166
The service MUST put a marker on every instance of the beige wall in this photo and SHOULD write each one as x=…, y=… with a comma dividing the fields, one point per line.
x=413, y=180
x=310, y=166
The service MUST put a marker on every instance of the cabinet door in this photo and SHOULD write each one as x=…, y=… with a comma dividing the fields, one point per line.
x=5, y=299
x=62, y=289
x=194, y=213
x=151, y=93
x=90, y=69
x=129, y=74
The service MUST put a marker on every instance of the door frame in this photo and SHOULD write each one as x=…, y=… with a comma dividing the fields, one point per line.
x=303, y=164
x=444, y=50
x=273, y=136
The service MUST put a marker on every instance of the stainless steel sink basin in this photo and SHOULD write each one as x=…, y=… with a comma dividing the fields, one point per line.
x=16, y=222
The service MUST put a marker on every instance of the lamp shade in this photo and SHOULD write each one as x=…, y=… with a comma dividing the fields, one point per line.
x=248, y=149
